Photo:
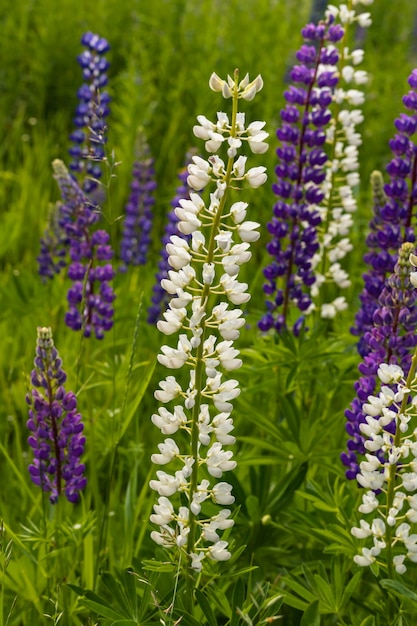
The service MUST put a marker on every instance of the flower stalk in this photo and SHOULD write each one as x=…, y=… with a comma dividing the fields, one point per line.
x=205, y=267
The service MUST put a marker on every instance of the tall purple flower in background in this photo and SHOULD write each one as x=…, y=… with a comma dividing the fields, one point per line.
x=391, y=340
x=56, y=427
x=139, y=210
x=300, y=173
x=89, y=138
x=317, y=171
x=160, y=297
x=91, y=295
x=394, y=219
x=87, y=150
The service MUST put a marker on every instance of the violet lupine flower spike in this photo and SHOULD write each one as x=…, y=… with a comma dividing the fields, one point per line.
x=91, y=295
x=389, y=504
x=394, y=222
x=316, y=170
x=381, y=262
x=56, y=427
x=87, y=150
x=391, y=340
x=138, y=219
x=206, y=266
x=89, y=138
x=52, y=257
x=160, y=298
x=300, y=174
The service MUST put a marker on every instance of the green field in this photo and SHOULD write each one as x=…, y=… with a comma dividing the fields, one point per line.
x=94, y=562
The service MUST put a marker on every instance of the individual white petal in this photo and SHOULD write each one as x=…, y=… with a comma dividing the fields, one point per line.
x=398, y=561
x=215, y=82
x=247, y=231
x=218, y=551
x=363, y=531
x=170, y=389
x=256, y=176
x=222, y=493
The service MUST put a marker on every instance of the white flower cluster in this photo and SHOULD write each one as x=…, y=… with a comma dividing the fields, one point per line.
x=347, y=16
x=342, y=175
x=205, y=269
x=389, y=473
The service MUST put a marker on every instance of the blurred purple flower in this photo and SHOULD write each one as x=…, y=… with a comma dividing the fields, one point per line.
x=393, y=221
x=89, y=138
x=91, y=295
x=160, y=297
x=138, y=211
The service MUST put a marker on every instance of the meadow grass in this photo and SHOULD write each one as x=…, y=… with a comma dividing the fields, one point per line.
x=294, y=508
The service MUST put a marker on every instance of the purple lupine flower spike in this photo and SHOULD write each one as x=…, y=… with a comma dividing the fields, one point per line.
x=91, y=295
x=300, y=174
x=393, y=222
x=159, y=295
x=56, y=426
x=137, y=224
x=391, y=340
x=87, y=152
x=89, y=138
x=53, y=247
x=381, y=262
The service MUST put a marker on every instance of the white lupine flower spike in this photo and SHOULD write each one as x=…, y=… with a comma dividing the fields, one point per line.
x=389, y=473
x=204, y=311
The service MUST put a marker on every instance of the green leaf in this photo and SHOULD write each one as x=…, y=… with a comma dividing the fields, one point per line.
x=286, y=490
x=311, y=616
x=206, y=608
x=302, y=591
x=399, y=590
x=325, y=592
x=238, y=599
x=158, y=566
x=91, y=600
x=252, y=505
x=351, y=586
x=185, y=619
x=272, y=605
x=368, y=621
x=138, y=396
x=122, y=592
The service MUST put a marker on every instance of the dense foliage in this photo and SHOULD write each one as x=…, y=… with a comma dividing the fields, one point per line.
x=307, y=275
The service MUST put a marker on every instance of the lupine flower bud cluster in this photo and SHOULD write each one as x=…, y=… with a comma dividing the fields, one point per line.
x=389, y=473
x=393, y=222
x=317, y=169
x=89, y=138
x=160, y=297
x=91, y=295
x=55, y=425
x=198, y=405
x=138, y=219
x=391, y=340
